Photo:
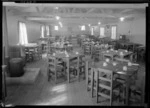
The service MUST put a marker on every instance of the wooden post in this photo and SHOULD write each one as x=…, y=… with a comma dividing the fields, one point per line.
x=4, y=90
x=5, y=33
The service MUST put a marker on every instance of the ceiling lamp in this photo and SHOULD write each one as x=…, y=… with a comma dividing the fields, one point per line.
x=122, y=19
x=57, y=17
x=99, y=23
x=89, y=25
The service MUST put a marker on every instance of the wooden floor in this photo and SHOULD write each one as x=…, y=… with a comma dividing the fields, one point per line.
x=48, y=93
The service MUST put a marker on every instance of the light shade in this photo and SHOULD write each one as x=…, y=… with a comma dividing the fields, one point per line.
x=99, y=23
x=57, y=17
x=122, y=19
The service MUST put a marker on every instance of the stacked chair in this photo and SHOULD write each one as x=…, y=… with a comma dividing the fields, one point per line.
x=105, y=86
x=55, y=69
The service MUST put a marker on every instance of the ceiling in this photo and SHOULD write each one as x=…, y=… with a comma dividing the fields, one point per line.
x=77, y=13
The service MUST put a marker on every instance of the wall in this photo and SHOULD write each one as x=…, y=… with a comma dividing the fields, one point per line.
x=67, y=30
x=33, y=29
x=136, y=30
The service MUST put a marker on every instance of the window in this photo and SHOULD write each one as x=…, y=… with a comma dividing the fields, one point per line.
x=42, y=31
x=102, y=31
x=23, y=39
x=92, y=31
x=113, y=32
x=47, y=29
x=83, y=27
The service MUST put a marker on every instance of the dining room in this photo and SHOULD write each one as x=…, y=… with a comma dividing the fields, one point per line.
x=74, y=54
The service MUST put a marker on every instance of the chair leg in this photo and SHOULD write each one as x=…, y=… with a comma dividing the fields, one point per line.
x=97, y=87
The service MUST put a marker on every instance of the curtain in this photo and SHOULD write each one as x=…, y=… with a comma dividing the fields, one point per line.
x=23, y=39
x=42, y=31
x=113, y=32
x=92, y=31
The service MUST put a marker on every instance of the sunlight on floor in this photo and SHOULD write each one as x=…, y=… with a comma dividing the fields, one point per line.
x=59, y=88
x=59, y=100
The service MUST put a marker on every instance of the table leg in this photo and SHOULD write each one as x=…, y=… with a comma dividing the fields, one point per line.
x=127, y=90
x=68, y=71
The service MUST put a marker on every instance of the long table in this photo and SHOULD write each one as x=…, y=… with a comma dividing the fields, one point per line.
x=113, y=53
x=118, y=69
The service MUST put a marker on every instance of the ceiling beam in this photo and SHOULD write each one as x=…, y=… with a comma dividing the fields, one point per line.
x=134, y=6
x=90, y=10
x=65, y=14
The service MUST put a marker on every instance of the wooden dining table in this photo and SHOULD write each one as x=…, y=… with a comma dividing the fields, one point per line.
x=65, y=56
x=112, y=53
x=118, y=69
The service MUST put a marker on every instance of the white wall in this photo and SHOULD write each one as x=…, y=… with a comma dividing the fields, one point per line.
x=33, y=29
x=136, y=30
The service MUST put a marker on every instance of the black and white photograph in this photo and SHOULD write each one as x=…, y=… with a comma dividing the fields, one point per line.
x=73, y=54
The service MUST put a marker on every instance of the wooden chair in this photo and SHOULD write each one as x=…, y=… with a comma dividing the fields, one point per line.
x=137, y=90
x=105, y=86
x=141, y=55
x=89, y=74
x=133, y=57
x=55, y=69
x=73, y=65
x=96, y=54
x=82, y=70
x=87, y=49
x=29, y=55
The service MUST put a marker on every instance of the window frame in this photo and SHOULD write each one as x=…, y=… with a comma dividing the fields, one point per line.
x=19, y=43
x=115, y=31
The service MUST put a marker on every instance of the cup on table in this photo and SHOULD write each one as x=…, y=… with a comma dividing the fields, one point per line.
x=77, y=53
x=121, y=53
x=107, y=60
x=114, y=63
x=125, y=68
x=111, y=49
x=126, y=50
x=104, y=64
x=129, y=64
